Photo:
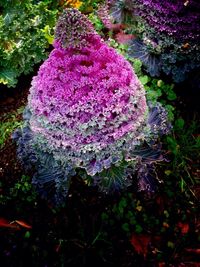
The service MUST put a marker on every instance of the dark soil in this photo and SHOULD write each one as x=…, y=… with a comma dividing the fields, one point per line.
x=10, y=100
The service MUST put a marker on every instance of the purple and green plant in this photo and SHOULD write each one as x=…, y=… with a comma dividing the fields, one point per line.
x=87, y=114
x=167, y=34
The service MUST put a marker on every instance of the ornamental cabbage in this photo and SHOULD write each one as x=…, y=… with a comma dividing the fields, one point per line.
x=167, y=33
x=87, y=114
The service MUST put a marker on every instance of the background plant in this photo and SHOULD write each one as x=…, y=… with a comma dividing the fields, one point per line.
x=22, y=190
x=171, y=213
x=9, y=122
x=25, y=36
x=161, y=39
x=184, y=145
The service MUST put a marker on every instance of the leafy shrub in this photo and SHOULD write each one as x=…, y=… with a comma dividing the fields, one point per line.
x=25, y=36
x=87, y=113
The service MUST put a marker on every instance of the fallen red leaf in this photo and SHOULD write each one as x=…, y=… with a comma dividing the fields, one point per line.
x=184, y=227
x=23, y=224
x=193, y=250
x=5, y=223
x=57, y=248
x=140, y=243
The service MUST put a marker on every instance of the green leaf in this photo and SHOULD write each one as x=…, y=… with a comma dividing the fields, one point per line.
x=170, y=244
x=104, y=216
x=125, y=227
x=172, y=145
x=159, y=83
x=7, y=76
x=168, y=172
x=7, y=19
x=170, y=110
x=144, y=79
x=138, y=229
x=27, y=234
x=179, y=124
x=166, y=213
x=137, y=65
x=153, y=95
x=171, y=95
x=47, y=34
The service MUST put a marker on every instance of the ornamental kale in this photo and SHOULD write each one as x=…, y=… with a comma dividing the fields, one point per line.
x=87, y=114
x=73, y=29
x=25, y=36
x=169, y=34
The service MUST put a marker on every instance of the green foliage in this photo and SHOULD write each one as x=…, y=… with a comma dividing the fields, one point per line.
x=161, y=88
x=132, y=216
x=121, y=48
x=144, y=79
x=155, y=88
x=8, y=124
x=25, y=34
x=89, y=5
x=162, y=220
x=183, y=144
x=184, y=147
x=170, y=212
x=137, y=65
x=158, y=90
x=96, y=22
x=22, y=191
